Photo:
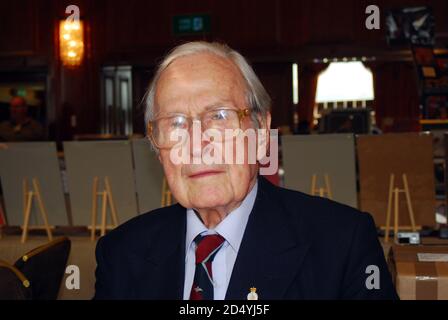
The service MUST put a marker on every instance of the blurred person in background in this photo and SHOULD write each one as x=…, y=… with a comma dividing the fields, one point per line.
x=20, y=127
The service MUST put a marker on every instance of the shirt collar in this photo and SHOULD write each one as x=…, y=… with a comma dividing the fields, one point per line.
x=231, y=228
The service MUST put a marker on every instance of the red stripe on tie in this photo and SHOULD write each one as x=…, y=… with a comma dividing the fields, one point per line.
x=207, y=245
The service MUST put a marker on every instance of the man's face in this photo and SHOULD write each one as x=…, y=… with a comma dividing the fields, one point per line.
x=191, y=85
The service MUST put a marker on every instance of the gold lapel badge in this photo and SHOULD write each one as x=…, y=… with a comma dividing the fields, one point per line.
x=252, y=295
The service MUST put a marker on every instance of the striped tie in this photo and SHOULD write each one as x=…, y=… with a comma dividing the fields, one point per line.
x=206, y=249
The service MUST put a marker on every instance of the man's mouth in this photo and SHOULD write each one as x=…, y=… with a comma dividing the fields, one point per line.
x=204, y=173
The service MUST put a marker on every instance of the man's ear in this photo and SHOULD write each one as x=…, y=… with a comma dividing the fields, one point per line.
x=264, y=123
x=268, y=133
x=268, y=120
x=264, y=138
x=268, y=127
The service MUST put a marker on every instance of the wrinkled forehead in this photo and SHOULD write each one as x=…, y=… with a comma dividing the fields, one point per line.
x=199, y=79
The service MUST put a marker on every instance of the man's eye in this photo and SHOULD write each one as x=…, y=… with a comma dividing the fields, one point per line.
x=178, y=122
x=220, y=115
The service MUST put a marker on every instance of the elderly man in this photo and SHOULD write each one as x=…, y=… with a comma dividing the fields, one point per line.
x=232, y=235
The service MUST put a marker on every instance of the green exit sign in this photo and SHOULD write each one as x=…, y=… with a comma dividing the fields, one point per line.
x=191, y=24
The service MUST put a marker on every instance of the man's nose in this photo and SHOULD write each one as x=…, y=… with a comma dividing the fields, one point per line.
x=196, y=142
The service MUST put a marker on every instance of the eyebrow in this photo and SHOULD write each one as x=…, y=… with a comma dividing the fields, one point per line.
x=218, y=104
x=211, y=106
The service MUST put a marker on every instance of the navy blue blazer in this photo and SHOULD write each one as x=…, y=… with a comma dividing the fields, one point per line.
x=295, y=246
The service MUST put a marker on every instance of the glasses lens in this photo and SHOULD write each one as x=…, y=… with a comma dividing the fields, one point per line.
x=167, y=131
x=221, y=119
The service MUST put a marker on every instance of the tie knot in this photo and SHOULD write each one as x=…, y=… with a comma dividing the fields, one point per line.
x=207, y=247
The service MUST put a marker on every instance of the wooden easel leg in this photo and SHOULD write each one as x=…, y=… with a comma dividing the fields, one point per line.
x=169, y=197
x=409, y=203
x=27, y=213
x=103, y=213
x=166, y=194
x=111, y=202
x=313, y=184
x=94, y=207
x=321, y=192
x=162, y=202
x=42, y=209
x=396, y=213
x=327, y=185
x=389, y=207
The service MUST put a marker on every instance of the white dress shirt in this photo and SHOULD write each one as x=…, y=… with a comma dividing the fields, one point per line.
x=232, y=230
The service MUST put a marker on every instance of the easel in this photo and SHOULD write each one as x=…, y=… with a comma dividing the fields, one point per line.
x=166, y=194
x=28, y=196
x=394, y=193
x=106, y=198
x=321, y=191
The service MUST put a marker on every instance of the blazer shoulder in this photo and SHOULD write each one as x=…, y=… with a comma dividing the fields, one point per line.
x=318, y=210
x=324, y=222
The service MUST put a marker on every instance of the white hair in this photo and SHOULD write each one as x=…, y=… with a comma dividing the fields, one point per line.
x=257, y=97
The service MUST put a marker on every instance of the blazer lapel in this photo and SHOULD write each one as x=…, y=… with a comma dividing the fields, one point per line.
x=165, y=260
x=270, y=254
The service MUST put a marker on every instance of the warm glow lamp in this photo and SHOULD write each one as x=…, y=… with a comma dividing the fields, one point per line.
x=71, y=42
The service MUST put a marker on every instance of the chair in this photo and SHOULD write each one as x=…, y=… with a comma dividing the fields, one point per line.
x=44, y=266
x=13, y=283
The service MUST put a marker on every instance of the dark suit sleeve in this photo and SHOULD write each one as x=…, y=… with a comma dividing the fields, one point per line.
x=365, y=256
x=101, y=285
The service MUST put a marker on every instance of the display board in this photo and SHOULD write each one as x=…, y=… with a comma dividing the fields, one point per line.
x=29, y=160
x=148, y=176
x=88, y=159
x=401, y=153
x=325, y=154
